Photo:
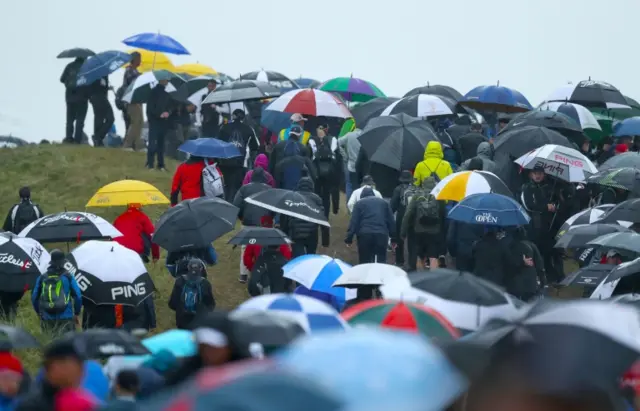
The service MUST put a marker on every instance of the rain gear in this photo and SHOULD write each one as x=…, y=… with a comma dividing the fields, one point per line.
x=207, y=301
x=493, y=260
x=188, y=180
x=249, y=214
x=284, y=135
x=261, y=161
x=409, y=220
x=71, y=289
x=350, y=147
x=304, y=233
x=137, y=230
x=371, y=215
x=433, y=163
x=484, y=153
x=293, y=166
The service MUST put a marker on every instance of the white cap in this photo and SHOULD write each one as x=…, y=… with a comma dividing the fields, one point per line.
x=210, y=336
x=297, y=117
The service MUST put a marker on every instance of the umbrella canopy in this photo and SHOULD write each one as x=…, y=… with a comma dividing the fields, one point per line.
x=553, y=120
x=102, y=343
x=16, y=338
x=291, y=203
x=209, y=148
x=270, y=329
x=397, y=141
x=156, y=42
x=521, y=140
x=364, y=112
x=631, y=299
x=579, y=114
x=402, y=316
x=627, y=211
x=318, y=273
x=194, y=223
x=101, y=65
x=109, y=273
x=196, y=69
x=496, y=98
x=194, y=89
x=70, y=226
x=22, y=261
x=491, y=210
x=310, y=102
x=263, y=236
x=589, y=276
x=460, y=185
x=370, y=274
x=76, y=52
x=590, y=93
x=579, y=235
x=277, y=80
x=410, y=373
x=242, y=90
x=627, y=128
x=151, y=60
x=588, y=216
x=422, y=105
x=125, y=192
x=304, y=82
x=628, y=159
x=138, y=92
x=629, y=241
x=352, y=89
x=565, y=163
x=313, y=315
x=438, y=90
x=625, y=178
x=623, y=270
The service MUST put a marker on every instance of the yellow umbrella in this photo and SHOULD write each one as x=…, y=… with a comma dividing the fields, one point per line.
x=123, y=192
x=459, y=185
x=195, y=69
x=147, y=62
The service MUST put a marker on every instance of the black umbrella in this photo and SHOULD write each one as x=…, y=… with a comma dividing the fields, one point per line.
x=438, y=90
x=458, y=130
x=624, y=270
x=590, y=93
x=75, y=53
x=520, y=140
x=578, y=236
x=260, y=236
x=396, y=141
x=193, y=86
x=274, y=78
x=628, y=159
x=467, y=144
x=269, y=329
x=70, y=226
x=629, y=241
x=423, y=105
x=459, y=286
x=194, y=224
x=22, y=261
x=550, y=340
x=102, y=343
x=292, y=203
x=242, y=90
x=553, y=120
x=625, y=178
x=16, y=338
x=626, y=212
x=364, y=112
x=589, y=276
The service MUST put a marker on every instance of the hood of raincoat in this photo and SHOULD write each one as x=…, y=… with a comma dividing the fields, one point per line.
x=433, y=150
x=484, y=150
x=261, y=161
x=367, y=192
x=305, y=184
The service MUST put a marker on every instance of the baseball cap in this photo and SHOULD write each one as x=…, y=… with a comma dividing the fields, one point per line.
x=297, y=117
x=296, y=130
x=621, y=148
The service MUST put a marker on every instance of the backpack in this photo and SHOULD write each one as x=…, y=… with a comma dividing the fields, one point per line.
x=120, y=104
x=24, y=214
x=433, y=172
x=54, y=298
x=427, y=215
x=191, y=294
x=72, y=76
x=409, y=191
x=212, y=182
x=324, y=159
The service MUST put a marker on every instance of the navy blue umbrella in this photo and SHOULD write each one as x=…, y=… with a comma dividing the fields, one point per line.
x=496, y=98
x=101, y=65
x=491, y=210
x=307, y=82
x=209, y=148
x=274, y=121
x=156, y=42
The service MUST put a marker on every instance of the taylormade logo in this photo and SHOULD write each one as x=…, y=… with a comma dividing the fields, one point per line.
x=486, y=218
x=68, y=217
x=6, y=258
x=128, y=291
x=290, y=203
x=111, y=349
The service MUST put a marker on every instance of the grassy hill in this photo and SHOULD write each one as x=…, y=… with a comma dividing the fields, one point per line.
x=64, y=177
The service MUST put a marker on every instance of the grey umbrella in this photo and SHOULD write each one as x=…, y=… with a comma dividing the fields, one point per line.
x=619, y=241
x=242, y=90
x=75, y=53
x=15, y=338
x=579, y=235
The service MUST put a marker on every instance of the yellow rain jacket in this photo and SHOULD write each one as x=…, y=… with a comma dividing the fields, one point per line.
x=433, y=163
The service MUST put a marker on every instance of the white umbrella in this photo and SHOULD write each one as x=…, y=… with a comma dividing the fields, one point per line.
x=580, y=114
x=371, y=274
x=422, y=105
x=310, y=102
x=558, y=161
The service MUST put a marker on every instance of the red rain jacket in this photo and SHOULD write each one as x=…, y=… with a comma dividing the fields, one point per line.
x=136, y=229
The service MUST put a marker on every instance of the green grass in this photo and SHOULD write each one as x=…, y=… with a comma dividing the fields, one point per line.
x=64, y=177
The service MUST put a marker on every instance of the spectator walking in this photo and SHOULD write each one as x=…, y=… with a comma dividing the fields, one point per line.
x=350, y=147
x=399, y=202
x=23, y=213
x=261, y=161
x=367, y=182
x=210, y=114
x=192, y=294
x=297, y=120
x=278, y=152
x=432, y=165
x=304, y=234
x=77, y=100
x=293, y=163
x=328, y=163
x=188, y=179
x=159, y=107
x=133, y=136
x=137, y=229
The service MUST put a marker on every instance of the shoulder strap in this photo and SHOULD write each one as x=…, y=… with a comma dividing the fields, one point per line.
x=14, y=213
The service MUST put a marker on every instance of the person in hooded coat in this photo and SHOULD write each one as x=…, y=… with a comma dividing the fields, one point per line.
x=262, y=162
x=304, y=234
x=467, y=144
x=460, y=239
x=372, y=222
x=350, y=147
x=386, y=178
x=187, y=180
x=293, y=166
x=433, y=164
x=484, y=153
x=399, y=202
x=528, y=276
x=492, y=259
x=278, y=152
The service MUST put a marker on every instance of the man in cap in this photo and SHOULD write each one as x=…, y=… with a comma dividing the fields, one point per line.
x=299, y=120
x=210, y=114
x=367, y=182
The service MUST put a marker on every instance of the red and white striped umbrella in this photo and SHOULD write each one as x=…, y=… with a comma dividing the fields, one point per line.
x=310, y=102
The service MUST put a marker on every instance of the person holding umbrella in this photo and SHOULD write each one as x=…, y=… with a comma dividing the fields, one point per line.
x=137, y=230
x=299, y=120
x=210, y=114
x=103, y=117
x=77, y=100
x=159, y=107
x=133, y=112
x=328, y=161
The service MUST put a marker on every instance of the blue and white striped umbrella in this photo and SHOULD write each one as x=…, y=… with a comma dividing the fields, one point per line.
x=311, y=314
x=318, y=273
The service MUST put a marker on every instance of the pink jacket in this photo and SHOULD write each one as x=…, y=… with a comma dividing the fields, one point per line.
x=261, y=161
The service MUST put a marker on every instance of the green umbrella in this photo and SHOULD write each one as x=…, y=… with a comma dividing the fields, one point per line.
x=348, y=126
x=352, y=89
x=606, y=123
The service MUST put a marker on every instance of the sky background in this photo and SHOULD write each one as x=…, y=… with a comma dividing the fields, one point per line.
x=533, y=46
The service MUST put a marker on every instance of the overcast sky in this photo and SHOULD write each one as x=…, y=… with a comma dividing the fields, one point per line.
x=533, y=46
